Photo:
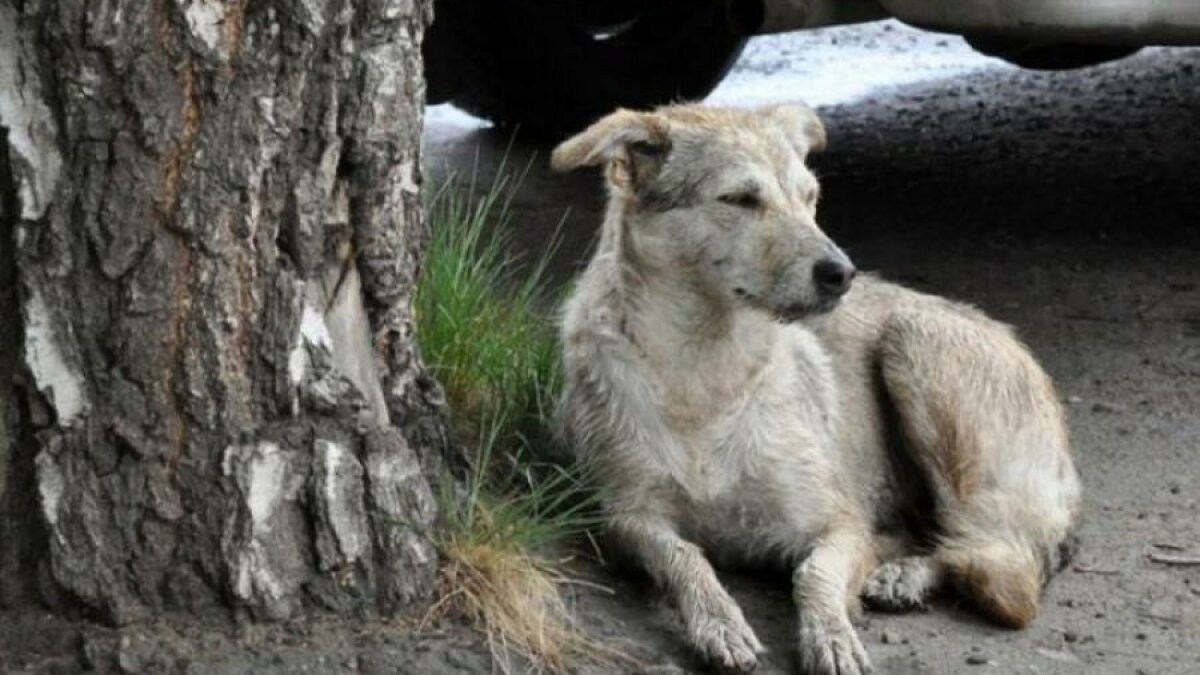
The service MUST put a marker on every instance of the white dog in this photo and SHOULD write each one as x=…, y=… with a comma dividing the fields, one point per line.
x=743, y=399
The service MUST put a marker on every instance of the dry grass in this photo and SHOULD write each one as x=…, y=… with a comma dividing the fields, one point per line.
x=495, y=570
x=515, y=599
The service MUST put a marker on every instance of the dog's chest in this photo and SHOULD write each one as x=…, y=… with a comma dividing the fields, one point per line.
x=751, y=461
x=721, y=433
x=750, y=498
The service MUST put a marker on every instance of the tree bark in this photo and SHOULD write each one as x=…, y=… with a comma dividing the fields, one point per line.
x=210, y=229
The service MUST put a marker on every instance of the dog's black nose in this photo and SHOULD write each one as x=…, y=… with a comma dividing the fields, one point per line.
x=833, y=276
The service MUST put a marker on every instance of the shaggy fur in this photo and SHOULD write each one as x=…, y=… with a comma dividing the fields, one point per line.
x=743, y=405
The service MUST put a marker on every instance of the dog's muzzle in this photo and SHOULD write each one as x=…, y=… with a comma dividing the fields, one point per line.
x=833, y=275
x=803, y=310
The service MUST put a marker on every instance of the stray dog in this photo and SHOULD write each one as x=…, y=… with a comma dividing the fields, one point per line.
x=745, y=399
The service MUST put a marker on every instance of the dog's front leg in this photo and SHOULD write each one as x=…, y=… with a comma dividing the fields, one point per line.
x=714, y=622
x=825, y=585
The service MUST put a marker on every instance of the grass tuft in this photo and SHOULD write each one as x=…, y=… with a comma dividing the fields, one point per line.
x=497, y=576
x=483, y=325
x=482, y=317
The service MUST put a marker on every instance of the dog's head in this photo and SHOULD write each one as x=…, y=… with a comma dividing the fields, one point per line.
x=722, y=196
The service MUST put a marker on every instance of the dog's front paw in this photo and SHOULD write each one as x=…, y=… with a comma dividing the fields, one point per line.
x=724, y=639
x=830, y=648
x=900, y=585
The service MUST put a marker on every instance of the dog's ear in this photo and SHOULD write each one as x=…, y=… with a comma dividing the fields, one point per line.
x=800, y=124
x=632, y=144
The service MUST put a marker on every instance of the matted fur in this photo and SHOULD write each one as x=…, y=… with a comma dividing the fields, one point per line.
x=737, y=411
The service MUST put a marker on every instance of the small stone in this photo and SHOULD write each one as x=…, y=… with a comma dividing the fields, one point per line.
x=977, y=660
x=889, y=637
x=1141, y=636
x=1070, y=636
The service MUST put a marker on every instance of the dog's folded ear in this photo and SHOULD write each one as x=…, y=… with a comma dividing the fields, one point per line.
x=631, y=143
x=800, y=124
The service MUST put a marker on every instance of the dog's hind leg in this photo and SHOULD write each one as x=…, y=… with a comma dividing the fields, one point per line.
x=981, y=421
x=905, y=578
x=903, y=584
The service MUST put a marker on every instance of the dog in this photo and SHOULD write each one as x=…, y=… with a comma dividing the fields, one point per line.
x=746, y=397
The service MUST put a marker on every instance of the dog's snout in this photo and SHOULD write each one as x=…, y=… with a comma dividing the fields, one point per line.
x=833, y=276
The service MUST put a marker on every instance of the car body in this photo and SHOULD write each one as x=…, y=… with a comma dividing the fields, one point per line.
x=555, y=65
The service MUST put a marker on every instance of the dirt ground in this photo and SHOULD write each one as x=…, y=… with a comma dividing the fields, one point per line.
x=1067, y=204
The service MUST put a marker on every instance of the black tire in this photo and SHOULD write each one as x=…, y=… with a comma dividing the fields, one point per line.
x=1037, y=56
x=541, y=65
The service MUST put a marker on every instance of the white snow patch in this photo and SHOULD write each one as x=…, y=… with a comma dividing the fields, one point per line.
x=204, y=19
x=31, y=131
x=844, y=64
x=445, y=123
x=54, y=378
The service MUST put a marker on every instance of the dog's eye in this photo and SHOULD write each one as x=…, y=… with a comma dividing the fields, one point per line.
x=745, y=200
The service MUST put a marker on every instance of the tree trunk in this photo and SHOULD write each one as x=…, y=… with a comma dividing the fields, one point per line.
x=209, y=233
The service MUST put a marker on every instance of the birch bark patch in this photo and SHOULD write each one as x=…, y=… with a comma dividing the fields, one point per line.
x=55, y=379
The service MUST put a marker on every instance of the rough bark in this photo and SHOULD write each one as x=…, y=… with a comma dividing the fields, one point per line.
x=211, y=225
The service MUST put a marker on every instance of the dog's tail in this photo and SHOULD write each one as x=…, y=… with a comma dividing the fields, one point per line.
x=1004, y=574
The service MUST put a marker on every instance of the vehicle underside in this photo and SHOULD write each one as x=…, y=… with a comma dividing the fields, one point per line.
x=554, y=65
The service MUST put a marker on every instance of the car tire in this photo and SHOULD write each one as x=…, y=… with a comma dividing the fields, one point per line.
x=1037, y=56
x=543, y=65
